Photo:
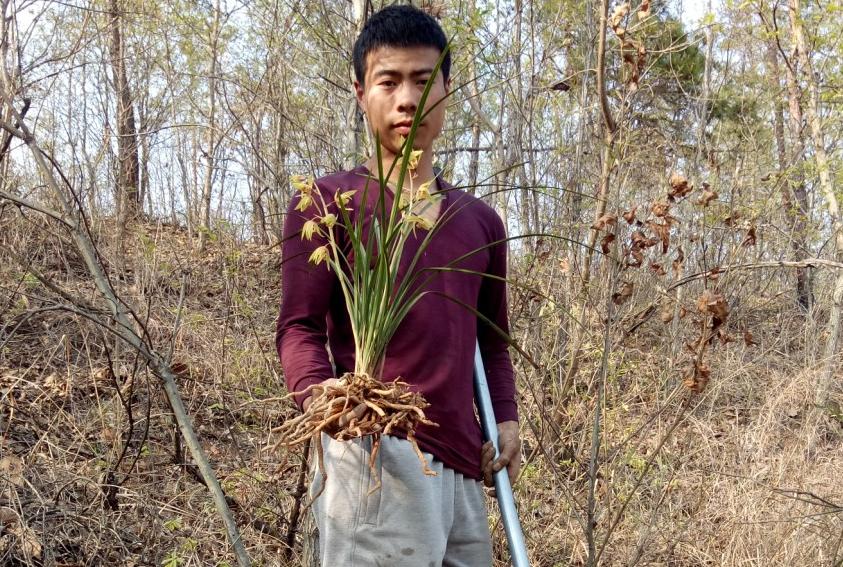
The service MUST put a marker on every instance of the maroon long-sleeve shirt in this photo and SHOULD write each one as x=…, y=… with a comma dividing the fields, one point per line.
x=433, y=348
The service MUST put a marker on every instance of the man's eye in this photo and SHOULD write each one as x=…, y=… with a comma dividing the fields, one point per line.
x=388, y=84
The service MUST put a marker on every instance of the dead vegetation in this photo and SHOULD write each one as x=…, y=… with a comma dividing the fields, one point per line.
x=93, y=471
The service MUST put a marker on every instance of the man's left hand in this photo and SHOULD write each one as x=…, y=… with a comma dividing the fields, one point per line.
x=510, y=454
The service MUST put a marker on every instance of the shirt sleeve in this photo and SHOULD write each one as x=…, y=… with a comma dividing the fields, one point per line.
x=492, y=304
x=301, y=330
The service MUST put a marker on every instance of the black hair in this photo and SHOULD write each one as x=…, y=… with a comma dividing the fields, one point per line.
x=399, y=26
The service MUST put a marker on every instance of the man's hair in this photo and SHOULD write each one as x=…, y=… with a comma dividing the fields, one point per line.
x=399, y=26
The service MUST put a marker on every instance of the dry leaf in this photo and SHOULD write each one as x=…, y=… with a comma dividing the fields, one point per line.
x=657, y=269
x=644, y=9
x=666, y=314
x=629, y=216
x=663, y=233
x=607, y=240
x=733, y=219
x=618, y=14
x=678, y=262
x=11, y=468
x=714, y=304
x=604, y=221
x=678, y=183
x=660, y=209
x=624, y=293
x=750, y=239
x=679, y=187
x=697, y=377
x=748, y=339
x=707, y=197
x=682, y=312
x=637, y=256
x=639, y=239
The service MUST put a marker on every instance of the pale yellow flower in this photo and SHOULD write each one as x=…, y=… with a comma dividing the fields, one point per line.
x=310, y=228
x=319, y=255
x=302, y=184
x=418, y=221
x=413, y=162
x=304, y=202
x=403, y=201
x=343, y=197
x=329, y=220
x=423, y=192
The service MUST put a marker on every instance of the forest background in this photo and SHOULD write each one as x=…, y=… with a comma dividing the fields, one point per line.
x=670, y=173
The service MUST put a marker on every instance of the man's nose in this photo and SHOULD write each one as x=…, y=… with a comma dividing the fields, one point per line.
x=407, y=97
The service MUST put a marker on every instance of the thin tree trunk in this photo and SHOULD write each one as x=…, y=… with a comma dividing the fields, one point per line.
x=127, y=191
x=354, y=118
x=210, y=148
x=828, y=191
x=606, y=157
x=795, y=180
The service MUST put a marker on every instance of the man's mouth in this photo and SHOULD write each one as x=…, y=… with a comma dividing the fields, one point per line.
x=403, y=128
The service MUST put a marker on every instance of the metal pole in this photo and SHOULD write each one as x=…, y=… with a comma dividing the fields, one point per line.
x=503, y=490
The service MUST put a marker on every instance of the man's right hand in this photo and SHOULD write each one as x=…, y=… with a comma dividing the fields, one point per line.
x=356, y=413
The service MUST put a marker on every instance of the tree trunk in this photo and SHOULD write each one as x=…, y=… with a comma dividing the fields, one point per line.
x=127, y=190
x=797, y=200
x=828, y=191
x=211, y=147
x=354, y=117
x=606, y=157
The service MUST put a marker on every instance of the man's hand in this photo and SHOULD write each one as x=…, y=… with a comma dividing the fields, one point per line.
x=356, y=413
x=510, y=454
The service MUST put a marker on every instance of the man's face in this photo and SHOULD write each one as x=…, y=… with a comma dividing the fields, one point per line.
x=394, y=82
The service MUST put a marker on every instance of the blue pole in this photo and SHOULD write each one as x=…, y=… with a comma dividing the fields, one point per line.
x=506, y=499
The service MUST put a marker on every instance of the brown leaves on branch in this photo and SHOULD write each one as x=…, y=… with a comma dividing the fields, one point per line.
x=708, y=195
x=732, y=219
x=606, y=242
x=678, y=261
x=629, y=216
x=633, y=51
x=679, y=187
x=660, y=209
x=748, y=339
x=714, y=304
x=606, y=220
x=618, y=14
x=662, y=231
x=750, y=239
x=624, y=293
x=698, y=376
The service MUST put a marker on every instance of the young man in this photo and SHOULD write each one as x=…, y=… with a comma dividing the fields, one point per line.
x=413, y=519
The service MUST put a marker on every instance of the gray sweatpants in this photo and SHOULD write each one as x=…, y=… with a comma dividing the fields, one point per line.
x=413, y=520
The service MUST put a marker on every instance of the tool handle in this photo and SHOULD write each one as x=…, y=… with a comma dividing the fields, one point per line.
x=503, y=490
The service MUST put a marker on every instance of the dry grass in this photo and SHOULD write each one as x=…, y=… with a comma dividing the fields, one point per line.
x=734, y=485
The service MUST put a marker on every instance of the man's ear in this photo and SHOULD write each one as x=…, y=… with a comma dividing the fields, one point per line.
x=359, y=91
